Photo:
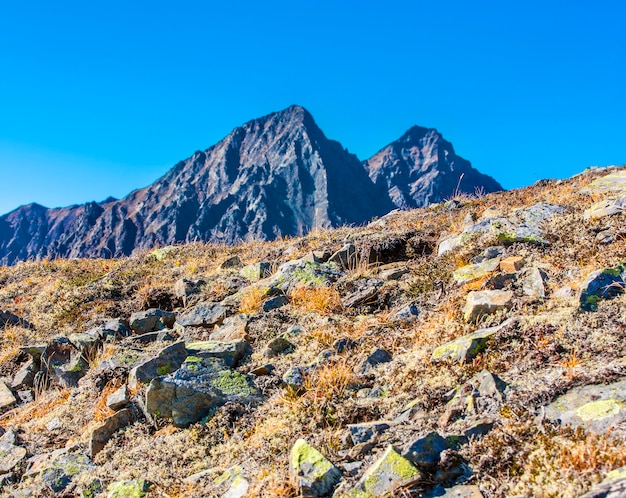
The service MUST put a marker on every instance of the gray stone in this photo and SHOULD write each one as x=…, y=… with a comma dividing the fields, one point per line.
x=9, y=437
x=10, y=456
x=606, y=207
x=64, y=469
x=377, y=357
x=118, y=399
x=116, y=328
x=151, y=320
x=533, y=284
x=481, y=303
x=612, y=486
x=602, y=284
x=109, y=426
x=54, y=425
x=365, y=293
x=294, y=377
x=230, y=352
x=406, y=314
x=203, y=315
x=597, y=408
x=164, y=335
x=469, y=273
x=232, y=262
x=311, y=473
x=8, y=318
x=389, y=473
x=25, y=376
x=86, y=343
x=345, y=258
x=364, y=432
x=193, y=391
x=424, y=451
x=275, y=302
x=234, y=327
x=458, y=491
x=238, y=484
x=69, y=374
x=168, y=360
x=613, y=182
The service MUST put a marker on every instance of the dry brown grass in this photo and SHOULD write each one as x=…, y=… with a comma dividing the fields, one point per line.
x=41, y=407
x=321, y=299
x=252, y=299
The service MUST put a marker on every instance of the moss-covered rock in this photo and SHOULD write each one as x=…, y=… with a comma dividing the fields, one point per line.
x=602, y=284
x=64, y=469
x=468, y=346
x=389, y=473
x=195, y=390
x=311, y=472
x=597, y=408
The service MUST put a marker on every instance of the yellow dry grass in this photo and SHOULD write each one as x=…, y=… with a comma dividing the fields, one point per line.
x=252, y=299
x=321, y=299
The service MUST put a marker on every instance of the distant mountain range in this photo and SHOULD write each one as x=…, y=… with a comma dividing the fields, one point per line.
x=274, y=176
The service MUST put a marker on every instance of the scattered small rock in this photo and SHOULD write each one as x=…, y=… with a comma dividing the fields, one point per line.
x=312, y=474
x=151, y=320
x=480, y=303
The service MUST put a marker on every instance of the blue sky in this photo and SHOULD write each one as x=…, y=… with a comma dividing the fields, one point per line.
x=100, y=98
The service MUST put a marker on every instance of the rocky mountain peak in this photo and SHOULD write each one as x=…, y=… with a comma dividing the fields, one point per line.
x=421, y=167
x=274, y=176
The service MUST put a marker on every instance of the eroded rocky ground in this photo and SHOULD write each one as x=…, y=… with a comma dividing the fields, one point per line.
x=472, y=348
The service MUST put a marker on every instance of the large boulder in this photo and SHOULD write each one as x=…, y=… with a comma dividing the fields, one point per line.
x=205, y=314
x=189, y=394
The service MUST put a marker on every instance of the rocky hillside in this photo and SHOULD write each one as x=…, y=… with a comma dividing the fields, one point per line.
x=272, y=177
x=471, y=348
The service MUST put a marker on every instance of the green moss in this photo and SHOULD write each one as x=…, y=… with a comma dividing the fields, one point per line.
x=302, y=452
x=233, y=382
x=128, y=489
x=389, y=472
x=597, y=410
x=163, y=370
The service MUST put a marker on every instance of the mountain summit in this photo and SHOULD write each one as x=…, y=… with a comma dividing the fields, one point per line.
x=421, y=168
x=274, y=176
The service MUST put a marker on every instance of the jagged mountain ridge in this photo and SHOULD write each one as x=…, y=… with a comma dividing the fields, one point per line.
x=274, y=176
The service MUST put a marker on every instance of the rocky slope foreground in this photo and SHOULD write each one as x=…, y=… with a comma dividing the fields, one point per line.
x=275, y=176
x=471, y=348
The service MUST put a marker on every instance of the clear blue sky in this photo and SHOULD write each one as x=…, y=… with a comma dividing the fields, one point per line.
x=100, y=98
